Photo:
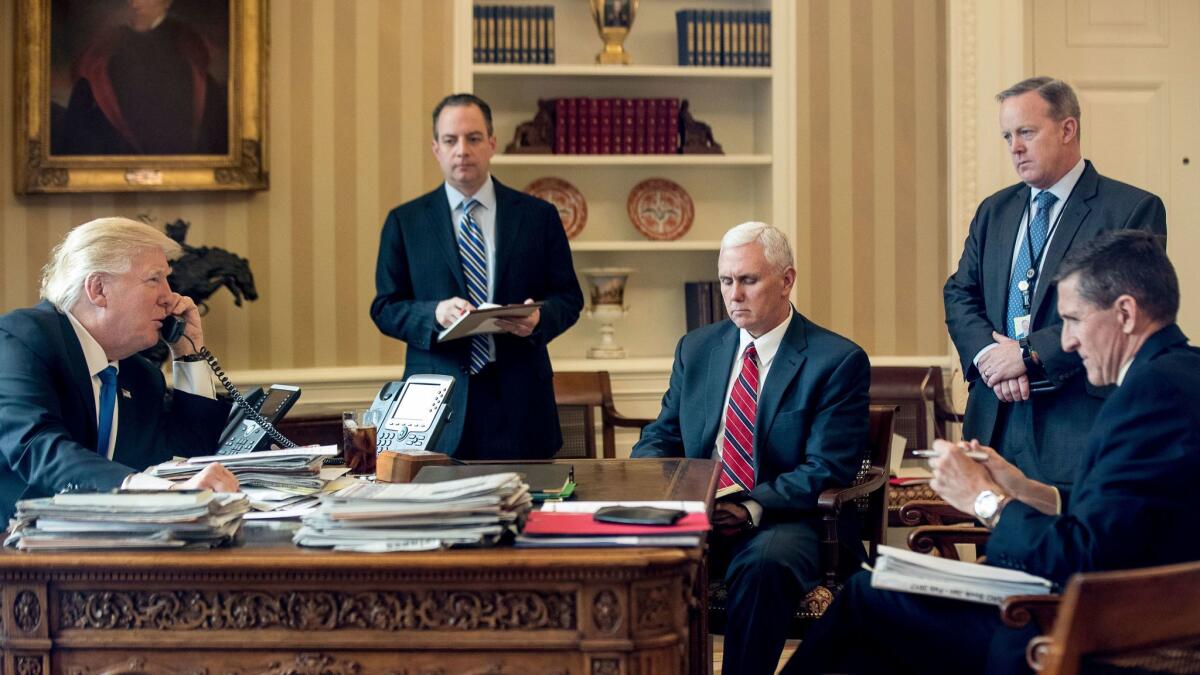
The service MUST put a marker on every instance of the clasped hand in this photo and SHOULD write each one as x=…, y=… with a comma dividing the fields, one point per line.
x=959, y=479
x=1003, y=370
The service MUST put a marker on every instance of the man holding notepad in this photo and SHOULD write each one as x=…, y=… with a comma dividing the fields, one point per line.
x=1129, y=506
x=471, y=242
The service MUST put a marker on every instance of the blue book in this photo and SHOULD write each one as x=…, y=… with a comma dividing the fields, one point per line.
x=766, y=17
x=681, y=36
x=476, y=13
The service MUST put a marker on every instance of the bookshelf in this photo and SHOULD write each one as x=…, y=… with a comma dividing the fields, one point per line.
x=749, y=110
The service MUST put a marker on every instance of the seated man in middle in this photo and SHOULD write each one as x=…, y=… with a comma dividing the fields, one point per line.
x=782, y=403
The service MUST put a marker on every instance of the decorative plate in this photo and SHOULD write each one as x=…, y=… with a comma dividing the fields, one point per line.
x=570, y=203
x=660, y=209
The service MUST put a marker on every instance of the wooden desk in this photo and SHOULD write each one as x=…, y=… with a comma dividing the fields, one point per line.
x=271, y=608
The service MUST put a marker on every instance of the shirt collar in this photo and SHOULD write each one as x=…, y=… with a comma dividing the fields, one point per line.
x=766, y=344
x=486, y=195
x=1062, y=189
x=93, y=353
x=1124, y=371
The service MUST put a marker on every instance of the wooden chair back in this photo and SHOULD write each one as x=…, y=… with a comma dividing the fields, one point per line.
x=1147, y=620
x=582, y=397
x=919, y=395
x=873, y=507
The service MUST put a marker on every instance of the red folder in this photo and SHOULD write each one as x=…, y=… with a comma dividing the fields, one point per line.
x=551, y=523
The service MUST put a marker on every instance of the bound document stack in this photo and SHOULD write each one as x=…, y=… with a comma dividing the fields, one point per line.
x=127, y=519
x=900, y=570
x=378, y=517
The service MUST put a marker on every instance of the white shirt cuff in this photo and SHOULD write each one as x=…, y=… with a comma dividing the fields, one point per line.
x=982, y=352
x=142, y=481
x=193, y=377
x=755, y=510
x=1057, y=501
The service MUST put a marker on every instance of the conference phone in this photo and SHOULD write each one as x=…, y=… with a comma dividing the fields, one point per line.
x=251, y=424
x=411, y=413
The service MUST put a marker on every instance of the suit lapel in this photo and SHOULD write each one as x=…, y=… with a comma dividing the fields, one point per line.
x=1075, y=211
x=508, y=224
x=1003, y=240
x=439, y=225
x=784, y=368
x=80, y=377
x=720, y=364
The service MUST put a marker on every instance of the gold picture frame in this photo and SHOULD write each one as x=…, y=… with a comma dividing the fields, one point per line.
x=72, y=136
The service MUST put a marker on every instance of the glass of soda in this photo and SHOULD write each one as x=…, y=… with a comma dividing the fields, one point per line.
x=358, y=439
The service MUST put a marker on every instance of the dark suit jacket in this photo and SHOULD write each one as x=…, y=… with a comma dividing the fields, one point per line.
x=419, y=266
x=1131, y=504
x=976, y=296
x=48, y=415
x=811, y=428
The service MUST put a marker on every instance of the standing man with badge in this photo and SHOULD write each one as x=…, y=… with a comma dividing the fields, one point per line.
x=1028, y=397
x=473, y=240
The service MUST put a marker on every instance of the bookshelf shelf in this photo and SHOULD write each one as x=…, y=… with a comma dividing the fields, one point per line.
x=585, y=70
x=648, y=245
x=731, y=161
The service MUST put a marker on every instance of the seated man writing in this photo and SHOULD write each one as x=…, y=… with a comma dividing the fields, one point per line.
x=79, y=409
x=783, y=404
x=1130, y=507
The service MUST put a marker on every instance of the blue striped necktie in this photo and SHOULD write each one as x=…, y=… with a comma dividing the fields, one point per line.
x=1039, y=229
x=108, y=400
x=473, y=252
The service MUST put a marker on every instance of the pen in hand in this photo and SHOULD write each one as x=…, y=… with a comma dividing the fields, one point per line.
x=973, y=454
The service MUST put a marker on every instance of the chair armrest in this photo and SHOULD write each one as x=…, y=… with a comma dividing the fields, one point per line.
x=619, y=420
x=1018, y=610
x=832, y=499
x=931, y=512
x=927, y=538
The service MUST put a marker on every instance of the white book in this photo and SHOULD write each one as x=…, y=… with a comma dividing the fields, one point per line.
x=900, y=570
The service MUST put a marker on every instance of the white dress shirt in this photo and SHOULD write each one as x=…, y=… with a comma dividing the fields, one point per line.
x=484, y=215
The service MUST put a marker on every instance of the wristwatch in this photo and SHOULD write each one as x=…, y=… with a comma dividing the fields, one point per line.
x=190, y=358
x=1029, y=355
x=987, y=507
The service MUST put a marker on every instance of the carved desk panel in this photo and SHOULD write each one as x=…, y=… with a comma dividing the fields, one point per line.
x=269, y=608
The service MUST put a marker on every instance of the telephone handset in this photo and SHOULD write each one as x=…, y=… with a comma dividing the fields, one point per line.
x=258, y=431
x=412, y=412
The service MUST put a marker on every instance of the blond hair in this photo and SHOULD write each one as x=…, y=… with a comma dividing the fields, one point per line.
x=106, y=245
x=776, y=248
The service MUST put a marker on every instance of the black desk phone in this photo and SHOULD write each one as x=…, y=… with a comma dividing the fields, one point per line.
x=263, y=409
x=412, y=412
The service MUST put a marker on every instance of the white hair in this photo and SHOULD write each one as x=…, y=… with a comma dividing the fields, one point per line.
x=106, y=245
x=776, y=248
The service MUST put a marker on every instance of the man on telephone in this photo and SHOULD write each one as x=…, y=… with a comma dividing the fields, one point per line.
x=470, y=241
x=79, y=409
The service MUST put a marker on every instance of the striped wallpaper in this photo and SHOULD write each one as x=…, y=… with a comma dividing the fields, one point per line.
x=351, y=86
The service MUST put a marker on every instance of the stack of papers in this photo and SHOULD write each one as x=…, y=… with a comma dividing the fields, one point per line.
x=900, y=570
x=382, y=517
x=546, y=481
x=568, y=524
x=128, y=519
x=269, y=476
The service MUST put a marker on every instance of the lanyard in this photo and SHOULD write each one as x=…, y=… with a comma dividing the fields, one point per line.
x=1027, y=285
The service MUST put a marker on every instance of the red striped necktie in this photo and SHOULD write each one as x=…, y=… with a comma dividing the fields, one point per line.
x=737, y=451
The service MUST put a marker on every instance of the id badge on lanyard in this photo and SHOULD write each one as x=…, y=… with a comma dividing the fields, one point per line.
x=1021, y=323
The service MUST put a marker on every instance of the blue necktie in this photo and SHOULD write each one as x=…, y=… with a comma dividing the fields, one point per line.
x=108, y=400
x=473, y=252
x=1039, y=228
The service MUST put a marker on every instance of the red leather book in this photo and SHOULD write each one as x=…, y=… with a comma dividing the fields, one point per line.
x=670, y=126
x=604, y=131
x=572, y=126
x=628, y=122
x=593, y=126
x=639, y=126
x=653, y=141
x=560, y=126
x=545, y=522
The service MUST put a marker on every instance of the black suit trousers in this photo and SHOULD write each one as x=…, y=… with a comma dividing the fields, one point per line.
x=767, y=573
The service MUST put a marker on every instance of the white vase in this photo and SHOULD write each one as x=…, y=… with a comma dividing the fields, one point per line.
x=606, y=286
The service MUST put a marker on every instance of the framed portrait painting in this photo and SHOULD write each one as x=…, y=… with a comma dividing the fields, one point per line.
x=141, y=95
